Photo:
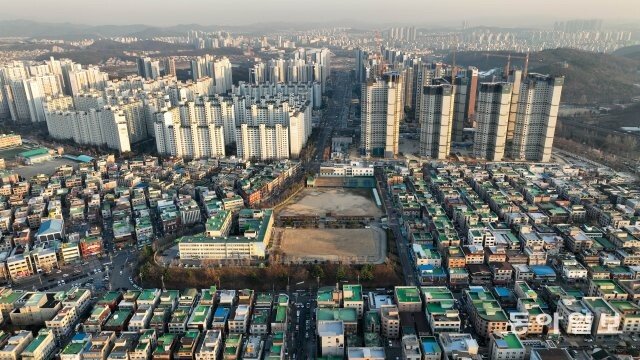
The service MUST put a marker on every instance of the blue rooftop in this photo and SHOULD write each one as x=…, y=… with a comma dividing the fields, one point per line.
x=502, y=291
x=50, y=226
x=221, y=312
x=430, y=270
x=542, y=270
x=430, y=345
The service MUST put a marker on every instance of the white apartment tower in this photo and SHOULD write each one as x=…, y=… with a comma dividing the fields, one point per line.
x=189, y=130
x=382, y=110
x=262, y=142
x=218, y=69
x=492, y=117
x=435, y=115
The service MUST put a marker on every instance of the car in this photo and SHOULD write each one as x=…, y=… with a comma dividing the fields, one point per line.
x=65, y=275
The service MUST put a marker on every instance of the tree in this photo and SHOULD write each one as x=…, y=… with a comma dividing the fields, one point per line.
x=366, y=274
x=316, y=271
x=341, y=273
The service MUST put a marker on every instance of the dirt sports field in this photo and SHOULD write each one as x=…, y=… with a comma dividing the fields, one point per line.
x=354, y=246
x=339, y=201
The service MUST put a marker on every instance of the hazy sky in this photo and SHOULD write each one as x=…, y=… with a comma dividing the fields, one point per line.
x=230, y=12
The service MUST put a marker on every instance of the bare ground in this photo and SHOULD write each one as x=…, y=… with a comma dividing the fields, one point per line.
x=339, y=201
x=335, y=245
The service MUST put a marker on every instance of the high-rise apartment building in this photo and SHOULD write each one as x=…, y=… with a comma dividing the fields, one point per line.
x=362, y=59
x=423, y=74
x=466, y=86
x=262, y=142
x=218, y=69
x=435, y=115
x=83, y=80
x=307, y=65
x=190, y=131
x=26, y=88
x=536, y=116
x=169, y=66
x=98, y=127
x=492, y=117
x=147, y=68
x=382, y=110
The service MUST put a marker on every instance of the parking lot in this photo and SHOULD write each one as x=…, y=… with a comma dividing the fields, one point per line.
x=98, y=274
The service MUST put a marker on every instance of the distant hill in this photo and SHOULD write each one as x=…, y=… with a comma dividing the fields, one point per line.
x=590, y=78
x=630, y=52
x=68, y=31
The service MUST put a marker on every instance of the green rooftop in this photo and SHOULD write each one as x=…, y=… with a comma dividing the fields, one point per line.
x=147, y=295
x=110, y=297
x=512, y=341
x=35, y=343
x=74, y=348
x=10, y=298
x=34, y=152
x=486, y=305
x=118, y=318
x=599, y=304
x=407, y=294
x=608, y=287
x=281, y=313
x=216, y=222
x=232, y=344
x=259, y=316
x=344, y=314
x=352, y=292
x=199, y=314
x=436, y=293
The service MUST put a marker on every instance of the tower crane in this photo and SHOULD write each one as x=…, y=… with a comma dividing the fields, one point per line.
x=508, y=65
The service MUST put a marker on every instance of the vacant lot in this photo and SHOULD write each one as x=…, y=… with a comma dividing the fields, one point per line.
x=47, y=167
x=338, y=201
x=349, y=246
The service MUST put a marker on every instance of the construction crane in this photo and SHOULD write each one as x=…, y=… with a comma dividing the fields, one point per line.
x=508, y=65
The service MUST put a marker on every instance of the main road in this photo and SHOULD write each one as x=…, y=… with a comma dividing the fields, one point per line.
x=301, y=319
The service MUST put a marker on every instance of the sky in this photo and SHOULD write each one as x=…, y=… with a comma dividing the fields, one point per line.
x=246, y=12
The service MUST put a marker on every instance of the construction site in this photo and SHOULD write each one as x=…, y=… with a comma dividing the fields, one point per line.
x=343, y=246
x=331, y=224
x=331, y=208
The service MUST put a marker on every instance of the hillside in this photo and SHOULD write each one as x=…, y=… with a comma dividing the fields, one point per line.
x=629, y=52
x=590, y=78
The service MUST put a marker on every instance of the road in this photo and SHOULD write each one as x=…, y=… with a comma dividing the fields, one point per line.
x=302, y=320
x=402, y=242
x=302, y=325
x=335, y=115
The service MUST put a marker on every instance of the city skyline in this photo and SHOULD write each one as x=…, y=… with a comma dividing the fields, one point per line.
x=254, y=13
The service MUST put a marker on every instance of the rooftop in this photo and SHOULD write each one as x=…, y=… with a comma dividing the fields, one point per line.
x=352, y=292
x=508, y=341
x=407, y=294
